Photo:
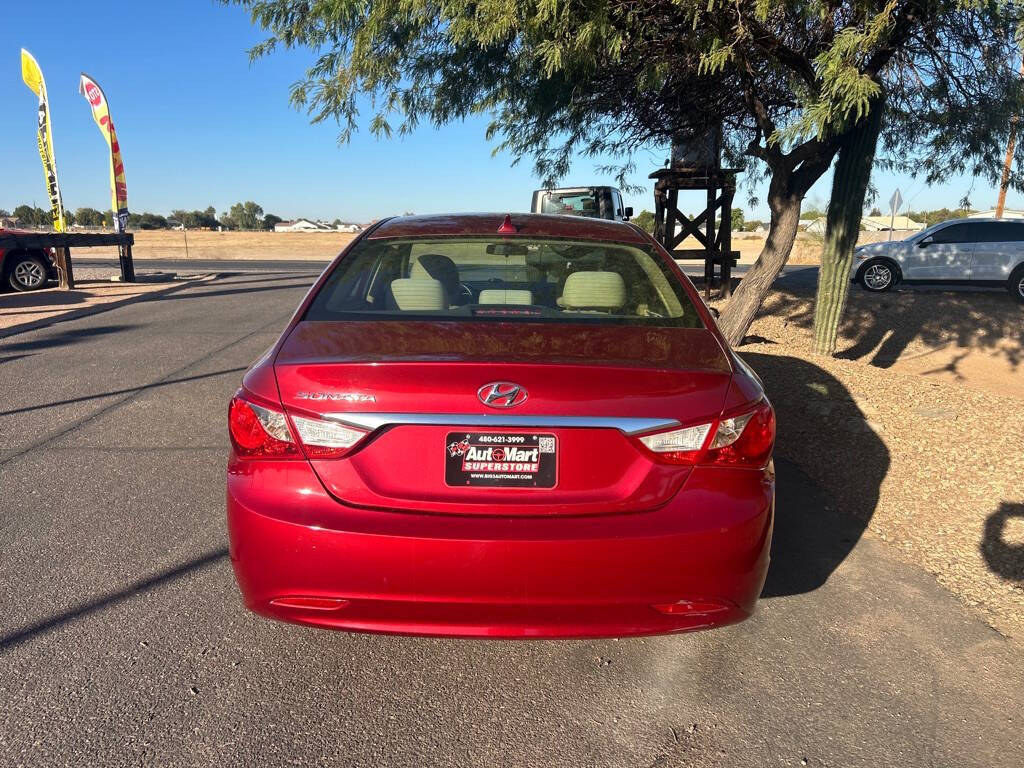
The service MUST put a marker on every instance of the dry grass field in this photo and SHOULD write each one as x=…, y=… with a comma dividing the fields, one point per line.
x=171, y=244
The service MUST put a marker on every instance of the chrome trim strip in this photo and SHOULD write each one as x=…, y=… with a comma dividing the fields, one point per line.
x=626, y=424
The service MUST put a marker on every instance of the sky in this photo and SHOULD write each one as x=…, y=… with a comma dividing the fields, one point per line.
x=199, y=125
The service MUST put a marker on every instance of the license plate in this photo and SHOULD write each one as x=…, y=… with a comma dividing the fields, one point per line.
x=500, y=459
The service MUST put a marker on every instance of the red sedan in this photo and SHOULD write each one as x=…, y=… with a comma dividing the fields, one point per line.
x=502, y=426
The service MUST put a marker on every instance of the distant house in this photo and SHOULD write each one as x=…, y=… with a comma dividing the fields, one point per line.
x=884, y=222
x=991, y=214
x=868, y=224
x=300, y=225
x=8, y=222
x=309, y=225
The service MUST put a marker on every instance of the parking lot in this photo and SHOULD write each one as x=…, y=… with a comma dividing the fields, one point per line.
x=124, y=641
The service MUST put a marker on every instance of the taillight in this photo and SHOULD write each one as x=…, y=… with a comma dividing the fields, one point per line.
x=258, y=432
x=325, y=439
x=678, y=446
x=745, y=438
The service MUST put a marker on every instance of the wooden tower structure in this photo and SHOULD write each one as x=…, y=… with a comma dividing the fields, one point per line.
x=698, y=168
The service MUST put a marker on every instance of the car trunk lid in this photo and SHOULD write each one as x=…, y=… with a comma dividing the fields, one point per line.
x=588, y=390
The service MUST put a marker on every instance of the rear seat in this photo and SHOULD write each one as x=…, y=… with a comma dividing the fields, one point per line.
x=417, y=294
x=503, y=296
x=593, y=291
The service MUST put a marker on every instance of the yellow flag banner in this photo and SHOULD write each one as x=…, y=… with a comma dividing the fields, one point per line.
x=101, y=114
x=33, y=77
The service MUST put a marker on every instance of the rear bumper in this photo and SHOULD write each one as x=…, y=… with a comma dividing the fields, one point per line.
x=582, y=576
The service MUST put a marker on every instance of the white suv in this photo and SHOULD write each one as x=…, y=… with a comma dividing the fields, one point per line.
x=969, y=251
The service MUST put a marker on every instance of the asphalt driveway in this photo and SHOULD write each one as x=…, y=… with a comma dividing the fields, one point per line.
x=123, y=641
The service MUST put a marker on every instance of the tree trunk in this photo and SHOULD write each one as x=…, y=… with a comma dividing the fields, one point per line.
x=750, y=294
x=849, y=184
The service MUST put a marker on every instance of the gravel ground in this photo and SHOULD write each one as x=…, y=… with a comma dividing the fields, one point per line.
x=933, y=466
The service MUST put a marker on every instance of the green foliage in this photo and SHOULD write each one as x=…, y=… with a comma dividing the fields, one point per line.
x=32, y=218
x=246, y=215
x=736, y=218
x=609, y=77
x=146, y=221
x=196, y=219
x=89, y=217
x=644, y=220
x=939, y=214
x=270, y=220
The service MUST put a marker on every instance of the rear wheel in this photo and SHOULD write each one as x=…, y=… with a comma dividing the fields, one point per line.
x=26, y=272
x=1016, y=284
x=878, y=276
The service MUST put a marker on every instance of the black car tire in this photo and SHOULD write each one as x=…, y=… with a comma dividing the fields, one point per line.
x=1016, y=284
x=27, y=272
x=872, y=276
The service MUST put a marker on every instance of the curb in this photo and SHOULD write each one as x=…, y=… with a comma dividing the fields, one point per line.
x=75, y=314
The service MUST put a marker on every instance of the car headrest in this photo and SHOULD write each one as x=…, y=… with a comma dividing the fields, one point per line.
x=436, y=266
x=410, y=294
x=501, y=296
x=593, y=290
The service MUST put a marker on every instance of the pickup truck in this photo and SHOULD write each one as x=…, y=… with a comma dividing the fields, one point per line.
x=595, y=202
x=25, y=269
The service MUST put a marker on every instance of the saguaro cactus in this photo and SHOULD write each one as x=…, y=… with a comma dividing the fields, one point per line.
x=849, y=184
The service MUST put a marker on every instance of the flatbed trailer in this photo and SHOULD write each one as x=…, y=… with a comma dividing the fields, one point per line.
x=63, y=242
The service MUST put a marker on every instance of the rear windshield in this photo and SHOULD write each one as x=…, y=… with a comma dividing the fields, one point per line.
x=578, y=203
x=530, y=280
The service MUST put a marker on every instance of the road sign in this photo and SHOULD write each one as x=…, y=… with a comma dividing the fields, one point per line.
x=894, y=205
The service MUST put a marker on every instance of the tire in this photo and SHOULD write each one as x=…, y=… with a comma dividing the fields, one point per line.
x=27, y=272
x=1016, y=284
x=878, y=276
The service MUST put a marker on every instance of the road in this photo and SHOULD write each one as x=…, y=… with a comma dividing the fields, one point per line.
x=123, y=640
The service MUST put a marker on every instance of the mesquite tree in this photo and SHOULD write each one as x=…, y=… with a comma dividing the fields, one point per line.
x=789, y=81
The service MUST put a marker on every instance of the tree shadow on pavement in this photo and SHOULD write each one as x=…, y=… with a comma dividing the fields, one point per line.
x=48, y=340
x=50, y=297
x=823, y=504
x=229, y=290
x=55, y=621
x=1003, y=558
x=124, y=391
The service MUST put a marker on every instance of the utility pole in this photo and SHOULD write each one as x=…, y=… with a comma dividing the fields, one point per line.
x=1011, y=143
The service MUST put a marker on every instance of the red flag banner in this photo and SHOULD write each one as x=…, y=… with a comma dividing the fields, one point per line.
x=101, y=114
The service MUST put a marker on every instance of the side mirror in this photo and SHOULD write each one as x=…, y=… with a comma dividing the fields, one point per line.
x=925, y=242
x=629, y=213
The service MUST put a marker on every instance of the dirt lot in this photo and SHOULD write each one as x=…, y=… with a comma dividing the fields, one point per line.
x=920, y=416
x=171, y=244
